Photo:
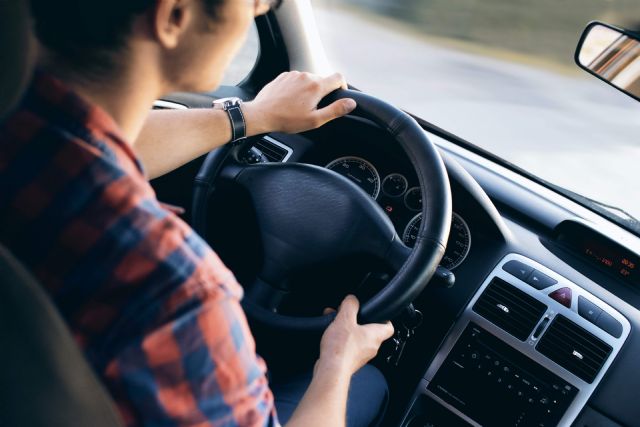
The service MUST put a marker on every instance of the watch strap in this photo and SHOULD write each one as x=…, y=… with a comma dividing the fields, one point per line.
x=238, y=124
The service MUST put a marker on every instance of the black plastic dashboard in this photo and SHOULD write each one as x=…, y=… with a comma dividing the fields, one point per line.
x=505, y=214
x=534, y=216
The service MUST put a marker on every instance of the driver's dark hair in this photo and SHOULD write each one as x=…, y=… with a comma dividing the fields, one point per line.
x=86, y=33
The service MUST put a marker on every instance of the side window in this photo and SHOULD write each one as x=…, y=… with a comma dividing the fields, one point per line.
x=245, y=59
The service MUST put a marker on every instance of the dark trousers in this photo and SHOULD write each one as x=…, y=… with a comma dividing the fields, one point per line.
x=368, y=396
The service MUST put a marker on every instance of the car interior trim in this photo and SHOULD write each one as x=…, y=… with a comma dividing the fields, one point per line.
x=451, y=408
x=528, y=347
x=285, y=147
x=302, y=39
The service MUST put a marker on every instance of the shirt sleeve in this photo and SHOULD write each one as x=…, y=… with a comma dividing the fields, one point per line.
x=190, y=358
x=200, y=369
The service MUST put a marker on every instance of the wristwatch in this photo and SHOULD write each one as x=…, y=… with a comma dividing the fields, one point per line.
x=233, y=107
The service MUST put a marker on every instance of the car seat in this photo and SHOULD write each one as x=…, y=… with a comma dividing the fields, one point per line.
x=44, y=377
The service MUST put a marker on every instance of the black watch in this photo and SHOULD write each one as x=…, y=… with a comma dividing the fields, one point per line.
x=233, y=107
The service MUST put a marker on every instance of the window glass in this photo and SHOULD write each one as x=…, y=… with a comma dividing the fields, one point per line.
x=245, y=59
x=500, y=74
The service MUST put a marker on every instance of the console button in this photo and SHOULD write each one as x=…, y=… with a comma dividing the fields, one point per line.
x=588, y=310
x=518, y=269
x=523, y=394
x=563, y=296
x=540, y=280
x=609, y=324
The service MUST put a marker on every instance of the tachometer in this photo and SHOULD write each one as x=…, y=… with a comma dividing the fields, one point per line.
x=394, y=185
x=458, y=245
x=359, y=171
x=413, y=199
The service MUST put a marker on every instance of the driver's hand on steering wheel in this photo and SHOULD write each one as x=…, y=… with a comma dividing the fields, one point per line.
x=347, y=346
x=289, y=103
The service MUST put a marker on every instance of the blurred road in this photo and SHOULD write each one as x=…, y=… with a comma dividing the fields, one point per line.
x=572, y=130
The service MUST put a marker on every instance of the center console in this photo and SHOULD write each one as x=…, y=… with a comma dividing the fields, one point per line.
x=529, y=350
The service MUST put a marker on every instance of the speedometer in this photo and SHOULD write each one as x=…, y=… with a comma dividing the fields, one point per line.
x=458, y=245
x=360, y=171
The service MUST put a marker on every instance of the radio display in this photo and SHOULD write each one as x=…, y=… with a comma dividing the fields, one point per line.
x=602, y=252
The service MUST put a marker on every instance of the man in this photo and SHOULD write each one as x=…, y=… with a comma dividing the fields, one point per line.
x=154, y=309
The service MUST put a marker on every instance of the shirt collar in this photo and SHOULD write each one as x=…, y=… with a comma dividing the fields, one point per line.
x=86, y=116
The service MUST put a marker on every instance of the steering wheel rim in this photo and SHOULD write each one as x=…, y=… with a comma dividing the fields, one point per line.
x=415, y=267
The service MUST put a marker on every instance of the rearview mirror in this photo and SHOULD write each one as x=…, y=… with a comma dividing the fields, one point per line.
x=611, y=54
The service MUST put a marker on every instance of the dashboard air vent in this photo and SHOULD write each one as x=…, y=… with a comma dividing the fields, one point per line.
x=273, y=150
x=574, y=348
x=510, y=308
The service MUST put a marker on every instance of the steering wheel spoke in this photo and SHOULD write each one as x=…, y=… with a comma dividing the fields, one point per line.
x=231, y=169
x=265, y=294
x=398, y=254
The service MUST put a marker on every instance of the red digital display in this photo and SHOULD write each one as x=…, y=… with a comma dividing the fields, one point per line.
x=603, y=253
x=612, y=261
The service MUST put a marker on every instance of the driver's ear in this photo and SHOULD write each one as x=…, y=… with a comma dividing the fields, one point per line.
x=170, y=20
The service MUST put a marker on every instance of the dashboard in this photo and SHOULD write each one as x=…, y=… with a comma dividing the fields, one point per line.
x=590, y=270
x=539, y=369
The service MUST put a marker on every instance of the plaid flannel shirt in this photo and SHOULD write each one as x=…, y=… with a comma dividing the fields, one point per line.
x=152, y=306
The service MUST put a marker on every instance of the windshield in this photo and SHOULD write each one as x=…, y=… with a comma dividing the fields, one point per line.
x=500, y=74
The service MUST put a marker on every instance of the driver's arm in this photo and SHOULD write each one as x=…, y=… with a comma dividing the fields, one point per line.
x=171, y=138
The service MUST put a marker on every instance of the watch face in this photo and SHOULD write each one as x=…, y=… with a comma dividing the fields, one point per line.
x=224, y=103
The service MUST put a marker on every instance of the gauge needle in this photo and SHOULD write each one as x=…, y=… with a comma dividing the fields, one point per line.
x=354, y=178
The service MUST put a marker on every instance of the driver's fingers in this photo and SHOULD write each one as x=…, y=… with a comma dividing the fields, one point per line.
x=332, y=111
x=333, y=82
x=328, y=310
x=382, y=331
x=349, y=309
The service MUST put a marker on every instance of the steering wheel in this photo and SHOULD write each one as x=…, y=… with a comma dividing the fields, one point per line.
x=308, y=214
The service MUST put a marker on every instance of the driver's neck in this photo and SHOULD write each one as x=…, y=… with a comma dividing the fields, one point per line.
x=127, y=95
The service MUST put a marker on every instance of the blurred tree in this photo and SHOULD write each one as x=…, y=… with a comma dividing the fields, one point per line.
x=547, y=28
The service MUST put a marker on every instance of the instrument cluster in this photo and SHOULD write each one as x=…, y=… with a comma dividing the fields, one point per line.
x=401, y=199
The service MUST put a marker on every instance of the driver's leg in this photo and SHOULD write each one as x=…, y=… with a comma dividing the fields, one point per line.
x=368, y=396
